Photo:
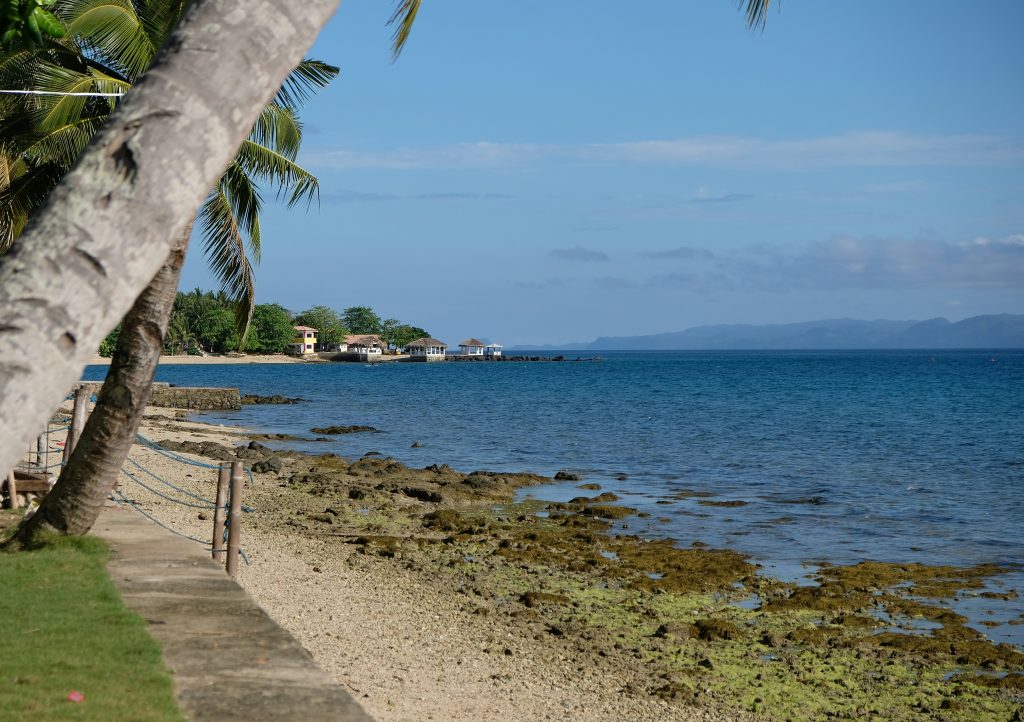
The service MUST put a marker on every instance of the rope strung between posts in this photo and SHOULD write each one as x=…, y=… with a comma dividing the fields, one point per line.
x=171, y=455
x=121, y=500
x=211, y=504
x=150, y=489
x=118, y=496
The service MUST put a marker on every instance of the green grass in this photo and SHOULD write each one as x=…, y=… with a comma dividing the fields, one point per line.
x=63, y=628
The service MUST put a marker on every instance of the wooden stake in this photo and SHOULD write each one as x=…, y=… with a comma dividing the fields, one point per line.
x=223, y=478
x=12, y=489
x=41, y=456
x=78, y=413
x=235, y=516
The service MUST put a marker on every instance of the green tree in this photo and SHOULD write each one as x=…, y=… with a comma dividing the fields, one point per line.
x=106, y=349
x=272, y=329
x=362, y=320
x=106, y=51
x=330, y=328
x=217, y=331
x=404, y=335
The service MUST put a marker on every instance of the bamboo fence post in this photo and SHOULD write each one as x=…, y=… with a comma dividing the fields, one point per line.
x=223, y=478
x=235, y=516
x=12, y=489
x=40, y=453
x=77, y=421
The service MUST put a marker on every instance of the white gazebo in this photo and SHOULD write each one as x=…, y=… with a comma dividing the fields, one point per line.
x=472, y=347
x=426, y=349
x=366, y=347
x=492, y=350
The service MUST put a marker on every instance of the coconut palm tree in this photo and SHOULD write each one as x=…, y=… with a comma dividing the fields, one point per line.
x=107, y=48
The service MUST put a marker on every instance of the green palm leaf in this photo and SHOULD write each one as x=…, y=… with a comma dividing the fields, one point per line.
x=224, y=248
x=111, y=29
x=279, y=128
x=403, y=19
x=756, y=12
x=308, y=77
x=278, y=170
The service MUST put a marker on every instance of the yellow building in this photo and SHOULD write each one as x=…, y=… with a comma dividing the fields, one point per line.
x=304, y=341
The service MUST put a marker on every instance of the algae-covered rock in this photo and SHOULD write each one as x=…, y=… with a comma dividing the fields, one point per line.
x=335, y=430
x=710, y=630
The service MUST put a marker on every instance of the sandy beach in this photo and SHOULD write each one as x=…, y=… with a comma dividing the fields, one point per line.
x=429, y=595
x=396, y=638
x=277, y=358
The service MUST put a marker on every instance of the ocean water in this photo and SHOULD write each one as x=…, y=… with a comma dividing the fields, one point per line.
x=840, y=456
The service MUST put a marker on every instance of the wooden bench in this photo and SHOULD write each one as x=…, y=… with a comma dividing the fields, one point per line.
x=27, y=482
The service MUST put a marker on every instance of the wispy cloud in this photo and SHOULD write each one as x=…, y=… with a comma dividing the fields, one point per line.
x=614, y=282
x=541, y=283
x=704, y=195
x=341, y=197
x=855, y=149
x=846, y=262
x=579, y=253
x=346, y=196
x=682, y=252
x=458, y=196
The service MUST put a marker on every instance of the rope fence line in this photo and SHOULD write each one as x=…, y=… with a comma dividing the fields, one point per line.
x=226, y=512
x=231, y=480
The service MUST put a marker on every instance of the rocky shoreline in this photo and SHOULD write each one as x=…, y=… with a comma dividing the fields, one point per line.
x=688, y=632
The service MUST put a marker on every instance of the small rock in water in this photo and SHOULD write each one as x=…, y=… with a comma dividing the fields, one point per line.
x=416, y=445
x=353, y=429
x=621, y=477
x=567, y=476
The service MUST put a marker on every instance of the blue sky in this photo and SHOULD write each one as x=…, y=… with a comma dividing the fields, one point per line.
x=555, y=171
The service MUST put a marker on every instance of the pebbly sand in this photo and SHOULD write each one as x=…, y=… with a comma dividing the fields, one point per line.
x=397, y=639
x=278, y=358
x=428, y=595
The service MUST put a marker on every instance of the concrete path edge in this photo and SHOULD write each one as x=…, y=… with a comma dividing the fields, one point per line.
x=229, y=659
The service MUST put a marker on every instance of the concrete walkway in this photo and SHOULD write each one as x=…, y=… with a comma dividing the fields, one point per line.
x=229, y=660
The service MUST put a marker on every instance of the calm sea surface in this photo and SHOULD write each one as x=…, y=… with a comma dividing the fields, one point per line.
x=906, y=456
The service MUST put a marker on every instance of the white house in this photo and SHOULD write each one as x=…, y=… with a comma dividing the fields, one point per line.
x=426, y=349
x=492, y=350
x=472, y=347
x=367, y=347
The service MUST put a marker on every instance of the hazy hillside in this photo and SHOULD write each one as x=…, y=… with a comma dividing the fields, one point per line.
x=1000, y=331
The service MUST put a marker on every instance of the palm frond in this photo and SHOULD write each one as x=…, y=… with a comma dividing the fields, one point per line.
x=64, y=144
x=112, y=30
x=309, y=77
x=246, y=205
x=54, y=111
x=403, y=19
x=289, y=177
x=22, y=195
x=160, y=17
x=225, y=252
x=756, y=12
x=278, y=127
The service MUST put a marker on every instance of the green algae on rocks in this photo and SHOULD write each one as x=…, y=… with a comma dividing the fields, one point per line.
x=848, y=648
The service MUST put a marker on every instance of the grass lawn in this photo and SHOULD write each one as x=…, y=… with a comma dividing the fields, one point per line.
x=64, y=629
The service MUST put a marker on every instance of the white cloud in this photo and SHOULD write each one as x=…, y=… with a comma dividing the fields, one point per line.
x=854, y=149
x=579, y=253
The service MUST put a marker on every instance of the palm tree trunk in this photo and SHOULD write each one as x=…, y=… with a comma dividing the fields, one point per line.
x=75, y=502
x=103, y=233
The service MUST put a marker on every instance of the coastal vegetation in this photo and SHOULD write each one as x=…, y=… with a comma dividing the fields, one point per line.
x=204, y=322
x=67, y=633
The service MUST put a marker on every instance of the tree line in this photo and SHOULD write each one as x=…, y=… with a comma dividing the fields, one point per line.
x=206, y=322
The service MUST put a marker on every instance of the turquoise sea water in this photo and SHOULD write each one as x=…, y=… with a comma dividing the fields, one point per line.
x=840, y=456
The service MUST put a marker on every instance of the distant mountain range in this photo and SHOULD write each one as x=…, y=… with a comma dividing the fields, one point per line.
x=997, y=331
